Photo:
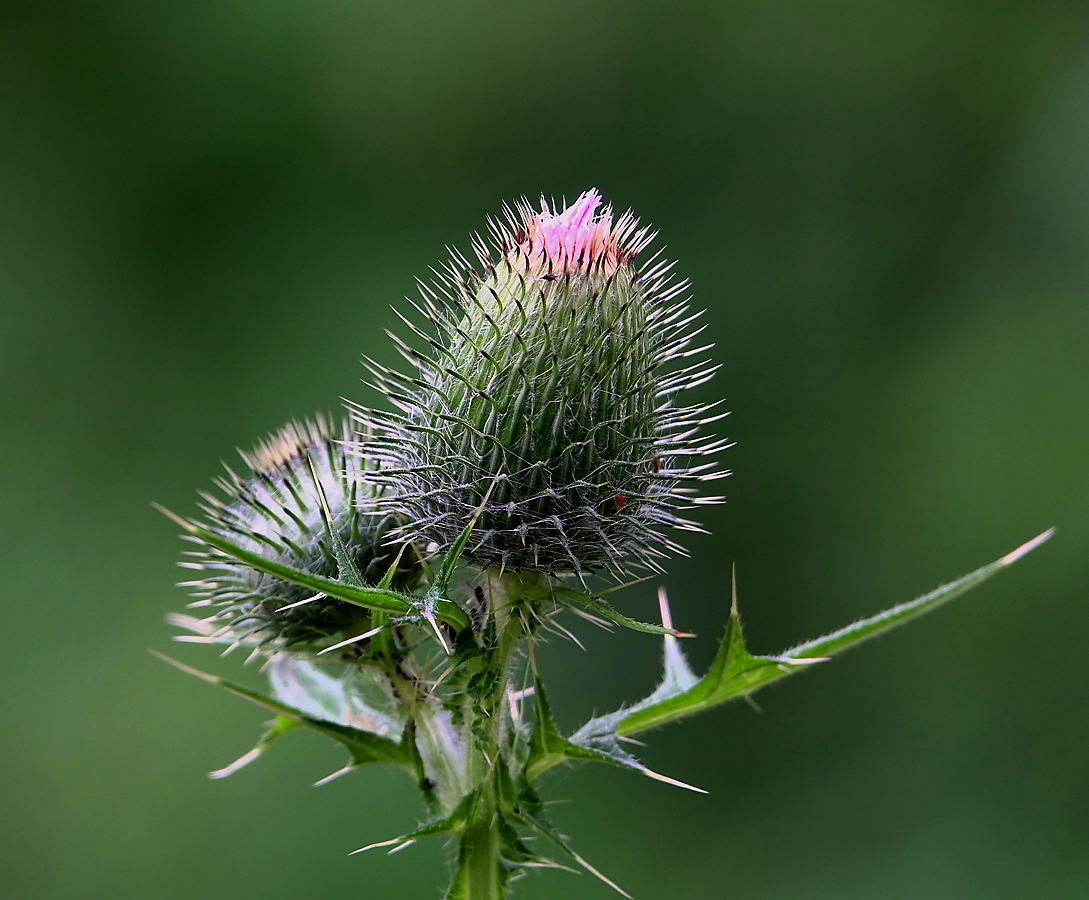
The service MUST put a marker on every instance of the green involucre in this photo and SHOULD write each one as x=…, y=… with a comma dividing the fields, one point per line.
x=556, y=386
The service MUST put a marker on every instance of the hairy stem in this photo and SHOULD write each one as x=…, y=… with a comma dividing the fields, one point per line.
x=481, y=874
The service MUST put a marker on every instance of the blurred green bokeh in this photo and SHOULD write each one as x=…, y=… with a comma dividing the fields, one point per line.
x=205, y=212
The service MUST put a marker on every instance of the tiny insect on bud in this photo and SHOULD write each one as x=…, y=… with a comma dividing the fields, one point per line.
x=549, y=371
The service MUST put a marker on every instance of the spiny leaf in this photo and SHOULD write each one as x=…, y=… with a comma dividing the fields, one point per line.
x=548, y=747
x=529, y=811
x=603, y=609
x=279, y=726
x=838, y=641
x=735, y=672
x=678, y=675
x=440, y=825
x=371, y=598
x=362, y=745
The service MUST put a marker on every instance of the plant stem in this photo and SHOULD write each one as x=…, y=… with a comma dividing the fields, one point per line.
x=481, y=874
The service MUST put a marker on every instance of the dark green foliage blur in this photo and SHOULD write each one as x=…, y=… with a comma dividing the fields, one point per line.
x=205, y=212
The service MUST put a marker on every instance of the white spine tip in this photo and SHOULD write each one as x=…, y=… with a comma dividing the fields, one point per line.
x=665, y=779
x=244, y=760
x=374, y=846
x=1027, y=547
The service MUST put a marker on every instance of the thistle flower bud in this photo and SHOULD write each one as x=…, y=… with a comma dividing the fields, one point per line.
x=277, y=513
x=548, y=374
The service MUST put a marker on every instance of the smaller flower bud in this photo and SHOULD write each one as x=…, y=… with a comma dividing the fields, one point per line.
x=277, y=513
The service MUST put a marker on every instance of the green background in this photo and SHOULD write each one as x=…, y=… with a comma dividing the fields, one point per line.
x=205, y=211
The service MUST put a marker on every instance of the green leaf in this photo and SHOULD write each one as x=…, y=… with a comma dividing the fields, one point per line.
x=439, y=825
x=529, y=811
x=596, y=604
x=548, y=747
x=332, y=691
x=735, y=672
x=278, y=727
x=838, y=641
x=371, y=598
x=363, y=746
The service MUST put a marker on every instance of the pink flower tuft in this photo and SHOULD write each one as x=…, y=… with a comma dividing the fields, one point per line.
x=577, y=238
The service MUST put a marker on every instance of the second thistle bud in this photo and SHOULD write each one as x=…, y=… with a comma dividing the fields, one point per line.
x=548, y=381
x=278, y=513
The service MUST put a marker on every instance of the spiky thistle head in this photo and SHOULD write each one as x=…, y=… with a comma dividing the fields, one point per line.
x=276, y=512
x=548, y=377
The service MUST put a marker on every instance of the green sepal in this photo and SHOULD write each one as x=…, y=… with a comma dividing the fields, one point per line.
x=347, y=571
x=446, y=568
x=594, y=603
x=363, y=746
x=371, y=598
x=382, y=644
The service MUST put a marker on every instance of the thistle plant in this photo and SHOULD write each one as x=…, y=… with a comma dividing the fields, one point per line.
x=393, y=572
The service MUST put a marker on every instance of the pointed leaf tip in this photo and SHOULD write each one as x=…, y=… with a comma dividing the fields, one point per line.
x=333, y=776
x=1027, y=547
x=663, y=607
x=665, y=779
x=599, y=875
x=374, y=846
x=400, y=847
x=189, y=670
x=244, y=760
x=174, y=517
x=733, y=590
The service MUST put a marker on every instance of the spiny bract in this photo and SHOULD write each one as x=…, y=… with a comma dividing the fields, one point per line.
x=548, y=380
x=277, y=513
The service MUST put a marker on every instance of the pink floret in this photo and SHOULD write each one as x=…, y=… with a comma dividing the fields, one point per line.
x=574, y=238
